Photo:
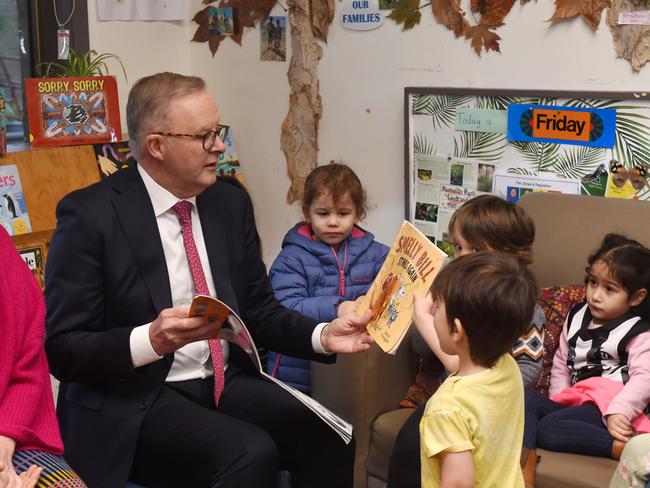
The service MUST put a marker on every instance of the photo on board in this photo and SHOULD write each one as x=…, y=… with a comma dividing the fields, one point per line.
x=273, y=39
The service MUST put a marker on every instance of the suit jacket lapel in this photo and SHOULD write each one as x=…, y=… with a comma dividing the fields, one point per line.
x=133, y=207
x=215, y=236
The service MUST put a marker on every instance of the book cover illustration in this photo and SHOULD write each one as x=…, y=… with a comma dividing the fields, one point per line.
x=3, y=123
x=228, y=164
x=112, y=156
x=411, y=265
x=13, y=210
x=232, y=329
x=72, y=111
x=34, y=256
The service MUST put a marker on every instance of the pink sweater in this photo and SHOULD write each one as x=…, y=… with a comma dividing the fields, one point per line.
x=633, y=397
x=26, y=403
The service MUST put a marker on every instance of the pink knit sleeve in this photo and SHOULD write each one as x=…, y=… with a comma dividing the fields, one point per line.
x=635, y=395
x=560, y=375
x=26, y=403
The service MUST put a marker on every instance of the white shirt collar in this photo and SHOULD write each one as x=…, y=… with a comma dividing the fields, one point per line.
x=161, y=199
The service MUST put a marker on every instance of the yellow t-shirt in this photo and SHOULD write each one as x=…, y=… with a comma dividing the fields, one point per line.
x=482, y=413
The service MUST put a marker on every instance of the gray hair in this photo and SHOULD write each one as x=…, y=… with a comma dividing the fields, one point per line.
x=149, y=101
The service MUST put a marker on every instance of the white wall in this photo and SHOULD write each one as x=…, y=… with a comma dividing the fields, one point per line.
x=362, y=76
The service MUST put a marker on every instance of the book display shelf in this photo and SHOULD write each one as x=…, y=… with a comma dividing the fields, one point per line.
x=47, y=175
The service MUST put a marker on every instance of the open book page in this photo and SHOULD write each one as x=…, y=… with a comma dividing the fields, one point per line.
x=232, y=329
x=411, y=265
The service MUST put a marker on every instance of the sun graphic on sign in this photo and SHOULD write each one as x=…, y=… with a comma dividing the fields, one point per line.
x=74, y=114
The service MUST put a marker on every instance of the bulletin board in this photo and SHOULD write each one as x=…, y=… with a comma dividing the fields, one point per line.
x=454, y=151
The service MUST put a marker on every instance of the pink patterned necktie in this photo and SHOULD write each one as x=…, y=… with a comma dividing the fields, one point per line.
x=184, y=211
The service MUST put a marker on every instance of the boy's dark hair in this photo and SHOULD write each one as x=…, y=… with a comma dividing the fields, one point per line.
x=490, y=222
x=493, y=296
x=335, y=180
x=628, y=263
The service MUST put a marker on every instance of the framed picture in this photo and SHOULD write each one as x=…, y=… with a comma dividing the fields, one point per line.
x=34, y=254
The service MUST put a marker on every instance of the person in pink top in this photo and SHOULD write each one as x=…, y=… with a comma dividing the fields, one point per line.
x=30, y=442
x=600, y=380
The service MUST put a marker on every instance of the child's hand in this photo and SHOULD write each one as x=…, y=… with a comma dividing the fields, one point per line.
x=423, y=320
x=619, y=427
x=347, y=307
x=422, y=307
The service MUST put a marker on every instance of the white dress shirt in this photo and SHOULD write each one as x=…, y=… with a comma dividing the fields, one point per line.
x=191, y=361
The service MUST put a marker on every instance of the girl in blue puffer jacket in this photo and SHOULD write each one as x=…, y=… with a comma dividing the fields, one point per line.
x=327, y=261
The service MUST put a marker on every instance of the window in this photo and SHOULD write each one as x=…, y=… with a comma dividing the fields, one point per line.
x=28, y=38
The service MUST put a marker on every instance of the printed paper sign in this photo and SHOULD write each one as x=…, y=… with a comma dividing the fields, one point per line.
x=480, y=120
x=362, y=15
x=512, y=187
x=564, y=125
x=641, y=17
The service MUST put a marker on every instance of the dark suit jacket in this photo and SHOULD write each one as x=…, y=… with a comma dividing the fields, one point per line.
x=106, y=274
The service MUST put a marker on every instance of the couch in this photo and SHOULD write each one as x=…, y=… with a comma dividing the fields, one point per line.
x=366, y=388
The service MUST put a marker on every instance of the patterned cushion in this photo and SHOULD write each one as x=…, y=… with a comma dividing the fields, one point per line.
x=557, y=302
x=430, y=376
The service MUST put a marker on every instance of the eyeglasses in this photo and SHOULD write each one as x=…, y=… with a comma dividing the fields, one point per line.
x=209, y=138
x=636, y=175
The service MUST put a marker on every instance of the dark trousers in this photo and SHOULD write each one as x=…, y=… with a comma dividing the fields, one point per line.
x=557, y=427
x=257, y=430
x=404, y=468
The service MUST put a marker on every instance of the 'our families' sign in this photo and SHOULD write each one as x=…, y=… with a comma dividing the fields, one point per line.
x=567, y=125
x=362, y=15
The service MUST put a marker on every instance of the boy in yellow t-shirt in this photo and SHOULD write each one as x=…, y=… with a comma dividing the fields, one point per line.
x=472, y=428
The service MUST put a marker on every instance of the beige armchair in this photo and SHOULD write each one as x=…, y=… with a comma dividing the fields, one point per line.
x=367, y=388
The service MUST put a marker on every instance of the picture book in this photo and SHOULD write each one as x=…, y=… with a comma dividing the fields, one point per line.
x=232, y=329
x=34, y=256
x=112, y=156
x=72, y=111
x=3, y=123
x=13, y=210
x=228, y=164
x=411, y=265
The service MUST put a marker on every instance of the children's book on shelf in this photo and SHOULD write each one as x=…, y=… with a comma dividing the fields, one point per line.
x=232, y=329
x=112, y=156
x=3, y=123
x=411, y=265
x=228, y=164
x=13, y=210
x=72, y=111
x=33, y=254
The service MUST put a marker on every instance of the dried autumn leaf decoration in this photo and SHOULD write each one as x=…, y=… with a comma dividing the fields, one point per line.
x=451, y=15
x=246, y=12
x=482, y=38
x=589, y=10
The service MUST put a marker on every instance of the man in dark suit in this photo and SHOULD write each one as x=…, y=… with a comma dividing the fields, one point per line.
x=143, y=392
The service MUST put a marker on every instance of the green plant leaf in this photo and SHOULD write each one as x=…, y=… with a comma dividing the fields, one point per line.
x=542, y=155
x=486, y=146
x=88, y=63
x=441, y=108
x=421, y=145
x=407, y=13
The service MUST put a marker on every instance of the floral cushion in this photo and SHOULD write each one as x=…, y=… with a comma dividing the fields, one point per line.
x=556, y=302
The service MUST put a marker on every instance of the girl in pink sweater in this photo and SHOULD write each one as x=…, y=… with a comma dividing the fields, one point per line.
x=30, y=443
x=600, y=380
